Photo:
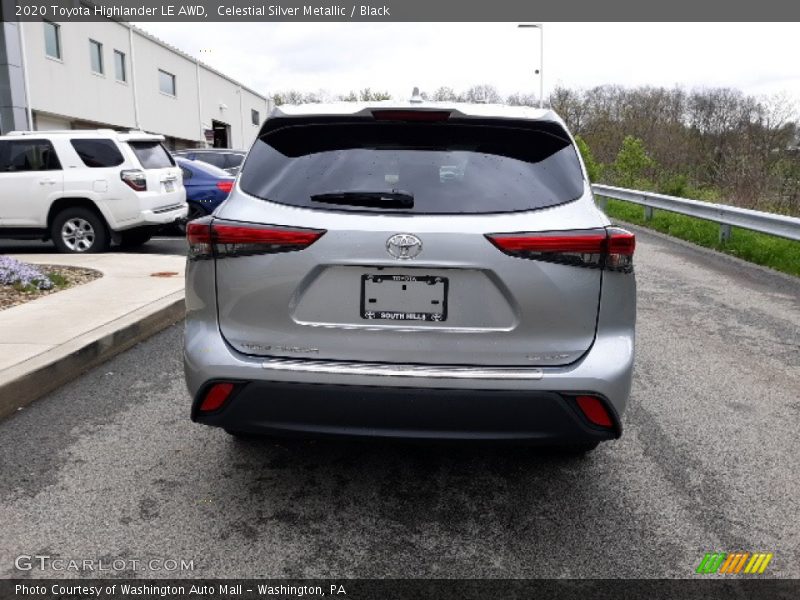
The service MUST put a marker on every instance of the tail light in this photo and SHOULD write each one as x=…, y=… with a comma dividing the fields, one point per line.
x=620, y=247
x=216, y=396
x=594, y=409
x=610, y=248
x=225, y=185
x=209, y=238
x=135, y=179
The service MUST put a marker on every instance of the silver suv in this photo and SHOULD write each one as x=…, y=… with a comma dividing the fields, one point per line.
x=411, y=270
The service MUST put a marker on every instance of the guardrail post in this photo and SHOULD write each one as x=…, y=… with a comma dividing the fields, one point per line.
x=602, y=202
x=648, y=213
x=724, y=232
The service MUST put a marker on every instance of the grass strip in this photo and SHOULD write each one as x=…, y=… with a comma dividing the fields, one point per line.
x=759, y=248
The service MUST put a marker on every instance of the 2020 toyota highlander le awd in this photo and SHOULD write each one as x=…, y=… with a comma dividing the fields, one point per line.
x=415, y=270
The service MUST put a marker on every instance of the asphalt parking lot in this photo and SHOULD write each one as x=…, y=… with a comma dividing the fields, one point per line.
x=110, y=465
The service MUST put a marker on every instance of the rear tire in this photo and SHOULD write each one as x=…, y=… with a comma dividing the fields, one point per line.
x=134, y=237
x=78, y=230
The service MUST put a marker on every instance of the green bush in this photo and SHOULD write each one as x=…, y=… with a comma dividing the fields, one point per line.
x=593, y=168
x=633, y=165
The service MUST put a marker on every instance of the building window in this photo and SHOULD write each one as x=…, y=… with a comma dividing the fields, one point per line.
x=96, y=54
x=52, y=39
x=119, y=66
x=255, y=118
x=166, y=82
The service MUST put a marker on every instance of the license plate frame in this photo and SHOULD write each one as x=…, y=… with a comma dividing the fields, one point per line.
x=437, y=289
x=169, y=185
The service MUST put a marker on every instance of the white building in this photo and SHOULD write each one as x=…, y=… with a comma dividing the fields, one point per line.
x=111, y=74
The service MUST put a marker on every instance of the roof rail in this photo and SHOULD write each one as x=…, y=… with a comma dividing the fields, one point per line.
x=64, y=131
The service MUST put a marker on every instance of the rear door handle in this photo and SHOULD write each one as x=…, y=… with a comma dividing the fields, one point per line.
x=47, y=182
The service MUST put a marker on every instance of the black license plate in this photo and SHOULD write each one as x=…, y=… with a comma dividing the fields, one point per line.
x=404, y=297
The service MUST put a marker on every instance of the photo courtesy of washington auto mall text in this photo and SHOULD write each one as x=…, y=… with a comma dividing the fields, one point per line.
x=176, y=590
x=399, y=300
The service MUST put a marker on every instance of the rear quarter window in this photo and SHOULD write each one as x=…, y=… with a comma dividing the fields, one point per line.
x=152, y=155
x=448, y=168
x=98, y=153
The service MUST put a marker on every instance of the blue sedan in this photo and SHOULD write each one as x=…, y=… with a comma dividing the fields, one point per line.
x=206, y=186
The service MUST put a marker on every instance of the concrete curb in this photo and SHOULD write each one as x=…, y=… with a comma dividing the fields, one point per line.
x=44, y=373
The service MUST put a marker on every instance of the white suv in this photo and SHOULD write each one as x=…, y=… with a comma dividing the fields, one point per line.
x=84, y=189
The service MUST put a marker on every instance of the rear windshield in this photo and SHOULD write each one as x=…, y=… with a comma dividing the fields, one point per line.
x=233, y=160
x=447, y=168
x=222, y=160
x=152, y=155
x=217, y=160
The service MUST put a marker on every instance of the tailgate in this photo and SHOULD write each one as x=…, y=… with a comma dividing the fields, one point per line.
x=461, y=301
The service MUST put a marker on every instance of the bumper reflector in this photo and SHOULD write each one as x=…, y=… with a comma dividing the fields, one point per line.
x=216, y=396
x=594, y=410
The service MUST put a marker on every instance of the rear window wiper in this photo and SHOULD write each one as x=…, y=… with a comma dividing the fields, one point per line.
x=393, y=199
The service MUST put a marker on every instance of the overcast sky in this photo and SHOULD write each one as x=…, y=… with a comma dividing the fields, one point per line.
x=754, y=57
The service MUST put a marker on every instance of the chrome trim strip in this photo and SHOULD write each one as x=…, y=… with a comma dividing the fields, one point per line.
x=383, y=370
x=164, y=209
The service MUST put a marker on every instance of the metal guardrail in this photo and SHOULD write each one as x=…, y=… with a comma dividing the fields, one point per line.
x=726, y=216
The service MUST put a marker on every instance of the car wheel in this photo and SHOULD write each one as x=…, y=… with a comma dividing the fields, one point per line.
x=79, y=231
x=135, y=237
x=195, y=212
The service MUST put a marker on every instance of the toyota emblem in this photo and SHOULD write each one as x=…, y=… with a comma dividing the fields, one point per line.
x=404, y=246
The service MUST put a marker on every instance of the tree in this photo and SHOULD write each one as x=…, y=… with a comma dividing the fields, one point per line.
x=445, y=94
x=593, y=169
x=570, y=104
x=518, y=99
x=367, y=95
x=287, y=97
x=297, y=97
x=633, y=165
x=484, y=93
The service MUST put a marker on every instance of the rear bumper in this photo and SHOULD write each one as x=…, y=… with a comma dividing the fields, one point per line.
x=397, y=412
x=407, y=401
x=166, y=215
x=154, y=218
x=389, y=399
